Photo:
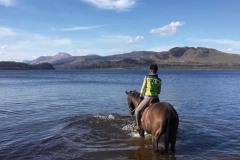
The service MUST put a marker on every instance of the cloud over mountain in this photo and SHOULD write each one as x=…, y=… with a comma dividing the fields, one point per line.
x=135, y=39
x=168, y=30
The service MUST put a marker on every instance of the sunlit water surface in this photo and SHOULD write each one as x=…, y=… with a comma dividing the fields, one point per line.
x=80, y=115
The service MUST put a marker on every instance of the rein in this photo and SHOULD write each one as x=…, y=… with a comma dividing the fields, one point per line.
x=137, y=105
x=134, y=95
x=133, y=110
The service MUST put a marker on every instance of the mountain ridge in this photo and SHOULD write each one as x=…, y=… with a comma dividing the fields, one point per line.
x=50, y=59
x=177, y=56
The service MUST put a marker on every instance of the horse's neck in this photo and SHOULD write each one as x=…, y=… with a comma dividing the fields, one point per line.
x=135, y=102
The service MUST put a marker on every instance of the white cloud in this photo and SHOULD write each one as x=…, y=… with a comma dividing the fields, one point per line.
x=80, y=28
x=113, y=4
x=4, y=47
x=232, y=50
x=6, y=3
x=5, y=32
x=168, y=30
x=134, y=40
x=229, y=49
x=23, y=44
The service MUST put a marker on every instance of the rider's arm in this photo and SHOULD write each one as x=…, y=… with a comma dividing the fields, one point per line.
x=143, y=87
x=159, y=89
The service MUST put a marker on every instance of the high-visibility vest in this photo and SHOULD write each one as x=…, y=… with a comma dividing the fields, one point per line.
x=152, y=85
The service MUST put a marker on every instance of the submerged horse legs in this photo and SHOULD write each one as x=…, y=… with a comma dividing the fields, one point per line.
x=155, y=138
x=173, y=141
x=168, y=139
x=173, y=134
x=154, y=143
x=166, y=143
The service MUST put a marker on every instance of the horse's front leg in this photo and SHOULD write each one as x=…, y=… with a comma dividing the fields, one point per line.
x=141, y=133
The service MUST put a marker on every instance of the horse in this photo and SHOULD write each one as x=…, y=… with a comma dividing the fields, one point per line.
x=159, y=119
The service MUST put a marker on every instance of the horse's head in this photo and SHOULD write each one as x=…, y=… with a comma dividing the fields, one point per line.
x=133, y=99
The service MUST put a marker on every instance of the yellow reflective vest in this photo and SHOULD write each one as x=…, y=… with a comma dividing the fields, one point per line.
x=152, y=85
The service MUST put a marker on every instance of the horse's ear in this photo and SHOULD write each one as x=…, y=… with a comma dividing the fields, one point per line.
x=127, y=92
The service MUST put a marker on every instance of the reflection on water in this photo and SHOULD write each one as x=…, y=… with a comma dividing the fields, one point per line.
x=144, y=150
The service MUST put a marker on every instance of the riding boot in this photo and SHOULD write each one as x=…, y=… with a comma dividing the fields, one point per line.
x=137, y=123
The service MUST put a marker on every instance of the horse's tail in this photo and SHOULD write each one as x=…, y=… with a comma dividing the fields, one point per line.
x=172, y=127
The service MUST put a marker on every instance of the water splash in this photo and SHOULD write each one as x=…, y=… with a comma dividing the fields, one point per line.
x=128, y=127
x=105, y=116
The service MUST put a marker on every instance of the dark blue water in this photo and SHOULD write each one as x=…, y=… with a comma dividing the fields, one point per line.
x=84, y=114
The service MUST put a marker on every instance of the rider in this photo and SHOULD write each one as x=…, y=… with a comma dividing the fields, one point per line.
x=151, y=87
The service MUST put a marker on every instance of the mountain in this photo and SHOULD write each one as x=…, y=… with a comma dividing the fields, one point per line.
x=177, y=57
x=50, y=59
x=199, y=55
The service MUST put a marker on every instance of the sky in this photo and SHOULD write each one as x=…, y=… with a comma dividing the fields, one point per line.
x=33, y=28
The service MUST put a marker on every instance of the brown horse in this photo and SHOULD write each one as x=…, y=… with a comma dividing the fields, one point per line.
x=160, y=119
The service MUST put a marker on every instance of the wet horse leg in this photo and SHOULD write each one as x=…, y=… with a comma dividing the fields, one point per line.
x=141, y=133
x=173, y=142
x=156, y=134
x=154, y=143
x=173, y=136
x=166, y=143
x=155, y=138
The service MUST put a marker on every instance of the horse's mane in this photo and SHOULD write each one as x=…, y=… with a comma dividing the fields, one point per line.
x=135, y=94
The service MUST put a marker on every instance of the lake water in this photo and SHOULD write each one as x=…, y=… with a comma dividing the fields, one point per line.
x=83, y=115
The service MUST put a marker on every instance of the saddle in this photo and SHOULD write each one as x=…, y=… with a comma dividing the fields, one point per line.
x=143, y=111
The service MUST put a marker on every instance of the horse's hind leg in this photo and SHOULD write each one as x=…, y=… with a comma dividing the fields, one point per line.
x=173, y=138
x=154, y=143
x=155, y=139
x=173, y=143
x=166, y=142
